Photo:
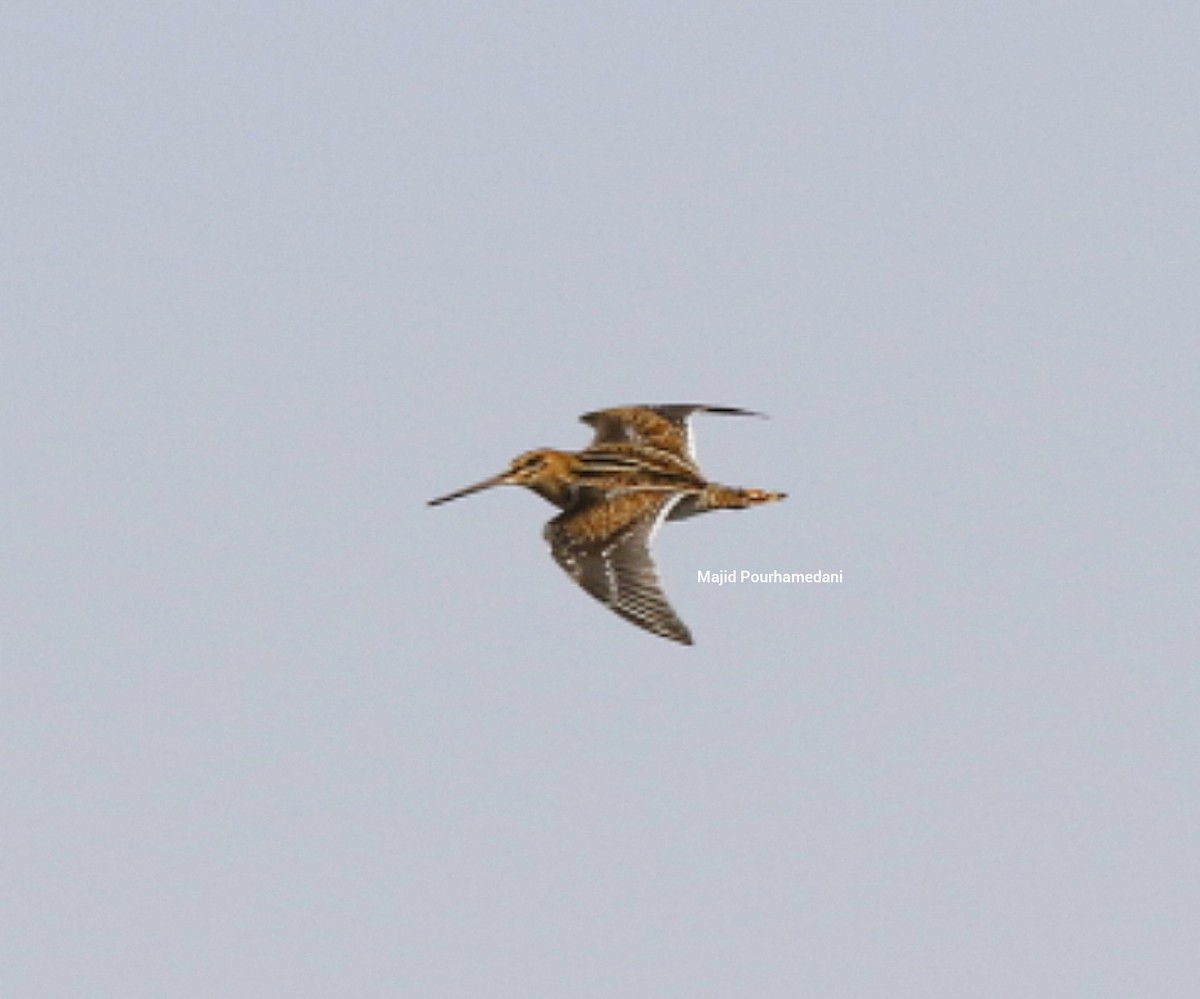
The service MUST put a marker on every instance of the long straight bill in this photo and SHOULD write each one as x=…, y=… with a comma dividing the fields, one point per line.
x=495, y=480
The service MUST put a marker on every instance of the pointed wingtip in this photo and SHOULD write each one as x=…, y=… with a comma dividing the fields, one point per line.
x=674, y=629
x=678, y=633
x=732, y=411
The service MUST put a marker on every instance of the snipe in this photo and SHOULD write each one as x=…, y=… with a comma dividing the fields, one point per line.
x=639, y=470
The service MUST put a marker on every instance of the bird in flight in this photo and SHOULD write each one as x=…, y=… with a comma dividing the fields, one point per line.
x=639, y=470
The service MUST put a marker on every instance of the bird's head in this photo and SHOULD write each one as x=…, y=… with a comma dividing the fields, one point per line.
x=538, y=469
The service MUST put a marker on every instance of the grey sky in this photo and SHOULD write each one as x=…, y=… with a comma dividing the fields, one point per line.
x=275, y=274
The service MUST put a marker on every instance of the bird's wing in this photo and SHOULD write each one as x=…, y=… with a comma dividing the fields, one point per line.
x=604, y=547
x=664, y=427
